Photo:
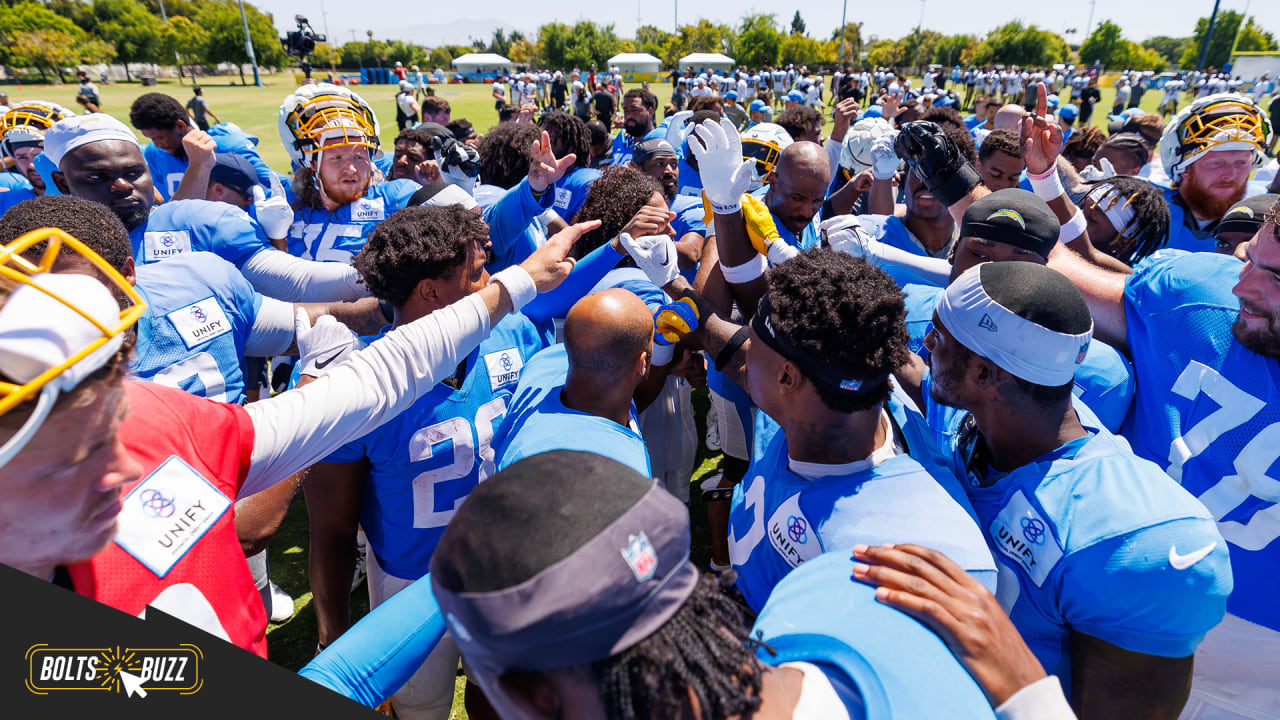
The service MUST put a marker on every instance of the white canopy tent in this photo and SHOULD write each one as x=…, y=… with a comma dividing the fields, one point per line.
x=481, y=63
x=635, y=63
x=715, y=61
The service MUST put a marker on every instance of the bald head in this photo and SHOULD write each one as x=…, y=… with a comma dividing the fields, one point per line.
x=804, y=157
x=1010, y=117
x=606, y=331
x=799, y=185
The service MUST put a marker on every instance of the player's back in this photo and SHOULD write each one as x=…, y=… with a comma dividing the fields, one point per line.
x=424, y=462
x=339, y=235
x=200, y=311
x=780, y=518
x=538, y=421
x=185, y=226
x=1207, y=410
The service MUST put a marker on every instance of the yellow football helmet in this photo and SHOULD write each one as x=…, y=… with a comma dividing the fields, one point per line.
x=763, y=143
x=26, y=123
x=44, y=350
x=323, y=115
x=1226, y=121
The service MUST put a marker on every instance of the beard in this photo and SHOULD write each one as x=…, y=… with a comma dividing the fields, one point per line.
x=1205, y=204
x=342, y=195
x=634, y=129
x=1265, y=342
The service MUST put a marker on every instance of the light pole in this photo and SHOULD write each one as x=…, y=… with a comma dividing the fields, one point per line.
x=919, y=39
x=1088, y=28
x=843, y=14
x=1208, y=35
x=248, y=46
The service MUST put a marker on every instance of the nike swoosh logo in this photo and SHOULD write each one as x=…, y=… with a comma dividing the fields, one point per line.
x=322, y=364
x=1182, y=562
x=665, y=257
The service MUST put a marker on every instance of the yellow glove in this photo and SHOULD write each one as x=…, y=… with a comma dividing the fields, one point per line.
x=674, y=321
x=763, y=231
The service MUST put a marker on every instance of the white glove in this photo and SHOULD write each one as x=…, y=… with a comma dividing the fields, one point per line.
x=655, y=255
x=1102, y=171
x=845, y=234
x=725, y=174
x=884, y=161
x=273, y=213
x=322, y=346
x=677, y=128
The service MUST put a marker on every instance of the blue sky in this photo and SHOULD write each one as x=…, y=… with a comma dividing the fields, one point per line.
x=455, y=22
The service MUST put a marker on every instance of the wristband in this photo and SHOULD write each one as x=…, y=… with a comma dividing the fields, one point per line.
x=726, y=209
x=518, y=283
x=746, y=272
x=1048, y=186
x=662, y=354
x=1073, y=228
x=731, y=348
x=955, y=188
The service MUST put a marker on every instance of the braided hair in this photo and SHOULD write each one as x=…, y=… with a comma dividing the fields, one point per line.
x=699, y=651
x=1149, y=230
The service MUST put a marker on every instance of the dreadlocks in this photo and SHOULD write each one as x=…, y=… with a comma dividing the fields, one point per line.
x=568, y=134
x=699, y=651
x=1149, y=229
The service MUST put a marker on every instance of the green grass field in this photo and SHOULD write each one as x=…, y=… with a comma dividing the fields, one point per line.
x=292, y=643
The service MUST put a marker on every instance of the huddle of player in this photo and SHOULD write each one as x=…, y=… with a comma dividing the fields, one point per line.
x=988, y=451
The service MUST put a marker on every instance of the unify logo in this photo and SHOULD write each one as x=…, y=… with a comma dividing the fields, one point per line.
x=120, y=670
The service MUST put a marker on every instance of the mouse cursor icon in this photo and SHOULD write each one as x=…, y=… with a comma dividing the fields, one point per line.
x=132, y=684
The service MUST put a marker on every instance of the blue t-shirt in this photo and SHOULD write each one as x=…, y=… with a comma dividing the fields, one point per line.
x=881, y=662
x=200, y=311
x=570, y=191
x=337, y=236
x=1093, y=539
x=779, y=519
x=185, y=226
x=1104, y=380
x=537, y=421
x=167, y=170
x=424, y=462
x=1208, y=411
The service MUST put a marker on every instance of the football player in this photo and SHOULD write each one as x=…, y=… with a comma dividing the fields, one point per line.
x=22, y=131
x=638, y=109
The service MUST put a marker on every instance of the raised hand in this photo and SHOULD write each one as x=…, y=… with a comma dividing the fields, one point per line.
x=677, y=129
x=655, y=255
x=545, y=168
x=889, y=106
x=274, y=214
x=842, y=116
x=725, y=174
x=763, y=231
x=1041, y=140
x=936, y=160
x=550, y=264
x=200, y=147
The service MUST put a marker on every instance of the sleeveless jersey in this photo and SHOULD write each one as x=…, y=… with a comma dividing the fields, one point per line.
x=337, y=236
x=167, y=170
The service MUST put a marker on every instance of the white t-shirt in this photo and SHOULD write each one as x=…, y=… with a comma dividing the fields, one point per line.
x=499, y=90
x=406, y=103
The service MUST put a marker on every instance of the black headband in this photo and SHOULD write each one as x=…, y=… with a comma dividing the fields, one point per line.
x=816, y=368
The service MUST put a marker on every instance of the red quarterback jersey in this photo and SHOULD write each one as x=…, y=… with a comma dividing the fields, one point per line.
x=175, y=546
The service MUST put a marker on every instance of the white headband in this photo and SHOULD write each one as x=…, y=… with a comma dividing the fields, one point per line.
x=1021, y=347
x=1107, y=197
x=70, y=133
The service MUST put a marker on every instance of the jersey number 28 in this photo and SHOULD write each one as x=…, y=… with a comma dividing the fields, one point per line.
x=465, y=454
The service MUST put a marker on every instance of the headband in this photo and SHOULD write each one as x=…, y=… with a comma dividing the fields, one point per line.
x=816, y=368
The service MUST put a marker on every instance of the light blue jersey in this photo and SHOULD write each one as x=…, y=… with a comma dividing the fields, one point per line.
x=1104, y=381
x=14, y=180
x=880, y=662
x=1095, y=540
x=779, y=518
x=689, y=180
x=425, y=461
x=622, y=148
x=892, y=231
x=337, y=236
x=1184, y=231
x=512, y=216
x=537, y=421
x=186, y=226
x=569, y=192
x=200, y=311
x=1207, y=410
x=12, y=197
x=167, y=170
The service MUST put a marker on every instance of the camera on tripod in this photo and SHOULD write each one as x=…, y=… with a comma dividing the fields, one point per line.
x=302, y=42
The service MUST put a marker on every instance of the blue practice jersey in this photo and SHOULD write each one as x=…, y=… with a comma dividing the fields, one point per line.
x=200, y=310
x=185, y=226
x=514, y=229
x=425, y=461
x=14, y=180
x=167, y=170
x=1104, y=380
x=1095, y=540
x=881, y=662
x=779, y=519
x=892, y=231
x=570, y=191
x=1208, y=411
x=337, y=236
x=689, y=180
x=537, y=421
x=622, y=148
x=12, y=197
x=1184, y=230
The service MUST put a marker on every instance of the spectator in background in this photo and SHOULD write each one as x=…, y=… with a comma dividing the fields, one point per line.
x=86, y=102
x=1088, y=97
x=198, y=109
x=88, y=89
x=1135, y=99
x=406, y=106
x=602, y=105
x=436, y=110
x=601, y=144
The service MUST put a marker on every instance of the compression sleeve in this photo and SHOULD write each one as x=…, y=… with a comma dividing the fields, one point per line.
x=292, y=279
x=833, y=149
x=586, y=273
x=381, y=652
x=272, y=331
x=1041, y=700
x=934, y=271
x=510, y=216
x=303, y=426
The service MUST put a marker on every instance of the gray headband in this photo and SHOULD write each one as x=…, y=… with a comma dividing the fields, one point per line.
x=608, y=595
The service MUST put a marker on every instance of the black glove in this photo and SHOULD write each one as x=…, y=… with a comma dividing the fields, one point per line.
x=936, y=160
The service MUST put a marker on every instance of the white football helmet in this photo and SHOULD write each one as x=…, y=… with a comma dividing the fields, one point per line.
x=1226, y=121
x=764, y=143
x=26, y=122
x=855, y=156
x=325, y=115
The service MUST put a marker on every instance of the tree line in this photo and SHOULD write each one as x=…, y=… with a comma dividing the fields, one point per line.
x=50, y=36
